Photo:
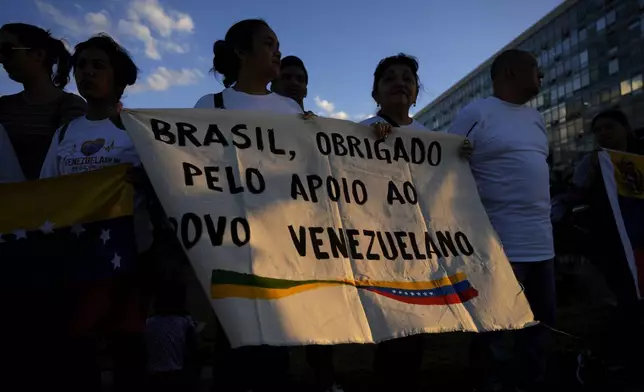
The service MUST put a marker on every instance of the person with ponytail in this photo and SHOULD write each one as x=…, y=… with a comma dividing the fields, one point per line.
x=112, y=308
x=29, y=54
x=248, y=59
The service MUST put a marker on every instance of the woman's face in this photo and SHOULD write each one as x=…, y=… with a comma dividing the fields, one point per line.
x=94, y=75
x=264, y=57
x=610, y=134
x=397, y=87
x=18, y=60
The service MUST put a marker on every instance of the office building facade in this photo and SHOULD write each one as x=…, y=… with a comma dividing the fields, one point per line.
x=591, y=53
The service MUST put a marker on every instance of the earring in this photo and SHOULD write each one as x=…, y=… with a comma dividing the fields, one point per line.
x=414, y=104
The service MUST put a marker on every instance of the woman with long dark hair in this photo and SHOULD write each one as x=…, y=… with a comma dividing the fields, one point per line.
x=114, y=308
x=249, y=59
x=29, y=54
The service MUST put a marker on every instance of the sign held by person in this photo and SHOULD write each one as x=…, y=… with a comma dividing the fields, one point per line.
x=314, y=232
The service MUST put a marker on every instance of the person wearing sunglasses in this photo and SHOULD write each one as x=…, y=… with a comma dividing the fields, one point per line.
x=28, y=54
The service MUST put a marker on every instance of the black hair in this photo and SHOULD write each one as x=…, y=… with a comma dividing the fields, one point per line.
x=240, y=36
x=56, y=53
x=293, y=61
x=399, y=59
x=633, y=144
x=612, y=114
x=125, y=71
x=508, y=59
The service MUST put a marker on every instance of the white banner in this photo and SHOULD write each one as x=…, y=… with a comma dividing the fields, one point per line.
x=312, y=232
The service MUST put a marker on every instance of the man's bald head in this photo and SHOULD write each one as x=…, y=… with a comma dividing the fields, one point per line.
x=516, y=72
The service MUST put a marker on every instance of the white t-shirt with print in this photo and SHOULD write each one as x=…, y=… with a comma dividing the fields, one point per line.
x=10, y=170
x=236, y=100
x=414, y=124
x=94, y=145
x=512, y=175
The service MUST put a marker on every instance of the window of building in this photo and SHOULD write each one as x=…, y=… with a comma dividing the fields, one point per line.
x=574, y=38
x=583, y=58
x=540, y=100
x=560, y=70
x=566, y=45
x=612, y=51
x=613, y=66
x=583, y=34
x=569, y=88
x=610, y=17
x=636, y=83
x=625, y=87
x=562, y=91
x=562, y=112
x=585, y=79
x=576, y=82
x=563, y=134
x=553, y=95
x=605, y=95
x=601, y=23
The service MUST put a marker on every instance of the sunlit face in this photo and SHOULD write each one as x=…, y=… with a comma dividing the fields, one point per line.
x=94, y=75
x=264, y=58
x=18, y=60
x=610, y=134
x=291, y=83
x=397, y=86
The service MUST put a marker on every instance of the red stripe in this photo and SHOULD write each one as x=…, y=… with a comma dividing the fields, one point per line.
x=449, y=299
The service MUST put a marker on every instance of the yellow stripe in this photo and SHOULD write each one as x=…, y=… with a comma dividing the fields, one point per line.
x=432, y=284
x=66, y=200
x=220, y=291
x=629, y=174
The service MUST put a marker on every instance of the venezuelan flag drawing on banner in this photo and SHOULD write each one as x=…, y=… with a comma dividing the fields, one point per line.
x=449, y=290
x=66, y=229
x=623, y=176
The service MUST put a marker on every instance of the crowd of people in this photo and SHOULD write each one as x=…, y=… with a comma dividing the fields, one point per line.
x=60, y=333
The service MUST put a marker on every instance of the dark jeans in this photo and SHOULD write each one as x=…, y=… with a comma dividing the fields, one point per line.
x=320, y=360
x=398, y=362
x=525, y=365
x=256, y=368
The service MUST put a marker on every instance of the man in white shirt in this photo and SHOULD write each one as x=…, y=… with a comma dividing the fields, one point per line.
x=509, y=164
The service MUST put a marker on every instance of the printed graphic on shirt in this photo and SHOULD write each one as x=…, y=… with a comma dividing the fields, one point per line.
x=92, y=155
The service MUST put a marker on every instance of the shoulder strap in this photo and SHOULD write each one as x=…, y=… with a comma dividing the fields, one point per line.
x=389, y=120
x=61, y=134
x=219, y=101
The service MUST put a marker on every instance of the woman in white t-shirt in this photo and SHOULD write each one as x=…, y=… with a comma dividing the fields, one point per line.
x=248, y=59
x=10, y=170
x=102, y=70
x=395, y=90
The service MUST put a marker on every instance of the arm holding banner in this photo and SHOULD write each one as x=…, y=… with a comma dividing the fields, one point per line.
x=10, y=170
x=50, y=165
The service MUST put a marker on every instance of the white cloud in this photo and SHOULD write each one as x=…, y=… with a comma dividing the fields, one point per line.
x=328, y=109
x=163, y=78
x=165, y=23
x=324, y=105
x=70, y=24
x=143, y=19
x=142, y=33
x=362, y=116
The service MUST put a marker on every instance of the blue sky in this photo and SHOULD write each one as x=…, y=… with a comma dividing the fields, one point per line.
x=340, y=42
